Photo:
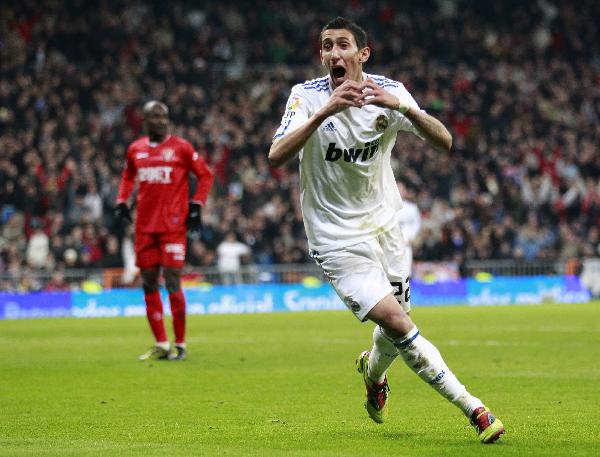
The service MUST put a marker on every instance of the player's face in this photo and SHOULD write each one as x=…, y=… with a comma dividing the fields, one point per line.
x=341, y=56
x=157, y=122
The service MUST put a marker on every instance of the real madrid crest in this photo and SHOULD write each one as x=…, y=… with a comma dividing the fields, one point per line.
x=352, y=304
x=381, y=123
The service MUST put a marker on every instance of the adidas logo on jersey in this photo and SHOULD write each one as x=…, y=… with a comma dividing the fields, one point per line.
x=329, y=127
x=352, y=154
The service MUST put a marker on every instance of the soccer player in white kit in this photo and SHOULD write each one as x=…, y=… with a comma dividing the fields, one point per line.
x=343, y=126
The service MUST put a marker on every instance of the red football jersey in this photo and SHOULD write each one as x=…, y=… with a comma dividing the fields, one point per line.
x=162, y=172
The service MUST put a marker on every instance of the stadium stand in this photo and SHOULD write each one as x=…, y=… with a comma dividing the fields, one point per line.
x=518, y=84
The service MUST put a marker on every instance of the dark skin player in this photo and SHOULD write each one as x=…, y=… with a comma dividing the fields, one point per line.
x=156, y=124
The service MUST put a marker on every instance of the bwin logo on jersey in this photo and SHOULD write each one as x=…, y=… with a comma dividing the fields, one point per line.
x=352, y=154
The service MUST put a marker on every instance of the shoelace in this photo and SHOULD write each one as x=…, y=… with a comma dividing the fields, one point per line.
x=489, y=419
x=384, y=386
x=381, y=389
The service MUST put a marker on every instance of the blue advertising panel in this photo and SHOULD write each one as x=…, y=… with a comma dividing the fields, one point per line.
x=28, y=305
x=526, y=290
x=266, y=298
x=110, y=303
x=212, y=300
x=436, y=294
x=262, y=299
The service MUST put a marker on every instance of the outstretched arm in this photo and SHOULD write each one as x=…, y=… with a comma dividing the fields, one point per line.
x=285, y=148
x=432, y=129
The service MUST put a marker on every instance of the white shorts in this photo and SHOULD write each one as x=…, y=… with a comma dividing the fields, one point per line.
x=363, y=274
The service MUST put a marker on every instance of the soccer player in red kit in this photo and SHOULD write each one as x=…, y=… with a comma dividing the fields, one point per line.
x=161, y=163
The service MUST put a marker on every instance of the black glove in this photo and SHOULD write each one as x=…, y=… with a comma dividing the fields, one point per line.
x=194, y=219
x=122, y=217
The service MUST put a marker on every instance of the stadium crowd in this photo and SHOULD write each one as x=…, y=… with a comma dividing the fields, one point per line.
x=517, y=83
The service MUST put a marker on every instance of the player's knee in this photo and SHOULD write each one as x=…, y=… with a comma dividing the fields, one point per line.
x=172, y=282
x=150, y=279
x=397, y=323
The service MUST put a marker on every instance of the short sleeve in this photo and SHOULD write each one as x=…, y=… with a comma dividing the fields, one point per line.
x=296, y=112
x=403, y=123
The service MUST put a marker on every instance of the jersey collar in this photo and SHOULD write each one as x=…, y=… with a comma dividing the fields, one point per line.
x=152, y=144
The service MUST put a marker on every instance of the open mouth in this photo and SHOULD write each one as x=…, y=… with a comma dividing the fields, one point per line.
x=338, y=72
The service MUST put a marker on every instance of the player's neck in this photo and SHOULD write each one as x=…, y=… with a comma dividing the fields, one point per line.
x=157, y=139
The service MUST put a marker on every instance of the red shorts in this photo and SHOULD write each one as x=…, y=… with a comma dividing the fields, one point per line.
x=160, y=249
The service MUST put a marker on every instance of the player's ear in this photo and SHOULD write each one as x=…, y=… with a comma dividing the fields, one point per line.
x=364, y=54
x=321, y=57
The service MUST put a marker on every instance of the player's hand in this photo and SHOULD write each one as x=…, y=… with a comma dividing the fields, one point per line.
x=122, y=216
x=373, y=94
x=344, y=96
x=194, y=219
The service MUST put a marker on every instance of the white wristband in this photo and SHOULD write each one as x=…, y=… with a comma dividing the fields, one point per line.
x=404, y=102
x=402, y=106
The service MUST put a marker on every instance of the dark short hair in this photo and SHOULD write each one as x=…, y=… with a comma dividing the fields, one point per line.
x=360, y=36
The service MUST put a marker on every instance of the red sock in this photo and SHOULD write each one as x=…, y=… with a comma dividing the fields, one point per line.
x=154, y=312
x=178, y=313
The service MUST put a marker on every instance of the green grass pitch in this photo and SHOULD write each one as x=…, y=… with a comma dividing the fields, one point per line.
x=285, y=385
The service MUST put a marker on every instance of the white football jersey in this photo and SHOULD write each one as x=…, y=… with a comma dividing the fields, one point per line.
x=409, y=219
x=347, y=187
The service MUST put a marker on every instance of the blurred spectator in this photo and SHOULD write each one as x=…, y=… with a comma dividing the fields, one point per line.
x=230, y=255
x=410, y=219
x=198, y=255
x=111, y=254
x=57, y=281
x=38, y=247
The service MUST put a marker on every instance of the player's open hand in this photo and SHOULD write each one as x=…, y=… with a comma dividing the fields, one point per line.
x=373, y=94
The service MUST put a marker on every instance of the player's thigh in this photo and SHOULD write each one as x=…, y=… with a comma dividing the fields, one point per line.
x=397, y=264
x=357, y=275
x=147, y=250
x=173, y=247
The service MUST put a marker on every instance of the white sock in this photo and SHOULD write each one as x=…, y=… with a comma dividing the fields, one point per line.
x=382, y=355
x=425, y=360
x=164, y=345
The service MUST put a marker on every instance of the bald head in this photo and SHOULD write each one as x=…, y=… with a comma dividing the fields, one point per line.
x=155, y=104
x=156, y=120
